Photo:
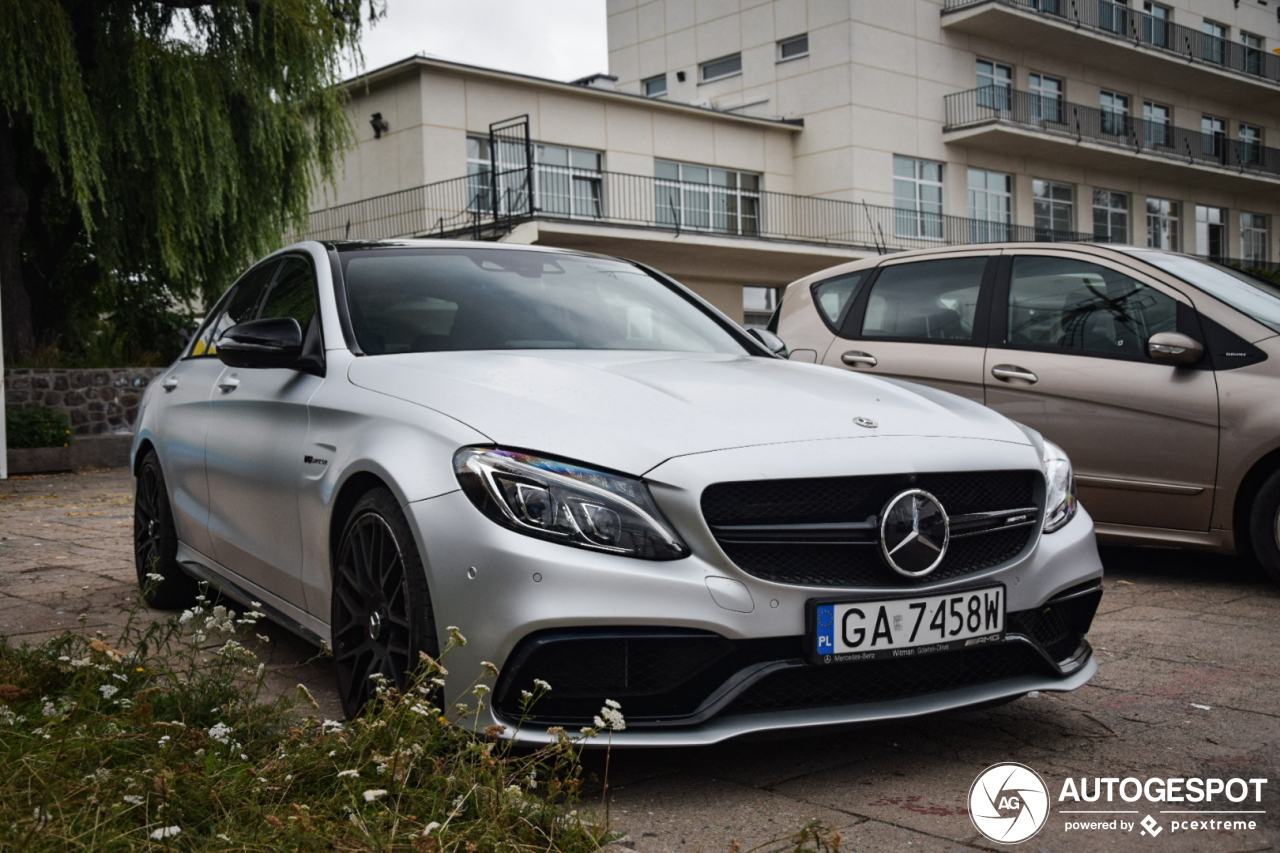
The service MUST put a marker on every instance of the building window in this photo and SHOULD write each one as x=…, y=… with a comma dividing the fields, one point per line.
x=1110, y=216
x=1053, y=203
x=1046, y=98
x=1114, y=16
x=917, y=195
x=1250, y=144
x=1251, y=54
x=479, y=183
x=1115, y=113
x=995, y=84
x=990, y=206
x=1214, y=39
x=700, y=197
x=1156, y=119
x=1213, y=137
x=1211, y=232
x=1253, y=238
x=793, y=48
x=718, y=69
x=1156, y=25
x=758, y=305
x=1162, y=224
x=567, y=181
x=655, y=87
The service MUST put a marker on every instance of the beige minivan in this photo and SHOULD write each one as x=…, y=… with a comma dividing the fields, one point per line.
x=1158, y=373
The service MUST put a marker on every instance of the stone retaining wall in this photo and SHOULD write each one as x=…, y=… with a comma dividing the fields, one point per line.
x=97, y=401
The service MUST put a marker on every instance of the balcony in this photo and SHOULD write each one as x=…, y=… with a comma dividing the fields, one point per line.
x=1133, y=43
x=1001, y=119
x=611, y=204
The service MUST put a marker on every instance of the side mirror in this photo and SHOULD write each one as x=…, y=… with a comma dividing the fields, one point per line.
x=769, y=341
x=274, y=342
x=1174, y=348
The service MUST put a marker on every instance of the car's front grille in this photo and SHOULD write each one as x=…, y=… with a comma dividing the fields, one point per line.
x=805, y=687
x=841, y=500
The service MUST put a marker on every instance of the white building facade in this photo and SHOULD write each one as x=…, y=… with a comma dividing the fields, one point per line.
x=740, y=144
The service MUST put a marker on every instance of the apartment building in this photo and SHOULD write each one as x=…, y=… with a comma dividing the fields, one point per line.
x=739, y=144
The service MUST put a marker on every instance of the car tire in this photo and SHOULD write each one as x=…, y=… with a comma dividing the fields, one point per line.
x=155, y=542
x=1264, y=526
x=381, y=611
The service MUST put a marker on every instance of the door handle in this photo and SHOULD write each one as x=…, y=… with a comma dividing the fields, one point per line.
x=855, y=358
x=169, y=383
x=1011, y=372
x=229, y=383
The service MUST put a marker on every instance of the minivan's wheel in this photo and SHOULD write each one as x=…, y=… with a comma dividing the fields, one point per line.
x=382, y=616
x=1264, y=526
x=155, y=542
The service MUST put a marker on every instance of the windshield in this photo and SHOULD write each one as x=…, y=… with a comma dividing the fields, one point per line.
x=1255, y=297
x=431, y=300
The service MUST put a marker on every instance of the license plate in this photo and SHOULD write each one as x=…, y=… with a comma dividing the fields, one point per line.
x=844, y=631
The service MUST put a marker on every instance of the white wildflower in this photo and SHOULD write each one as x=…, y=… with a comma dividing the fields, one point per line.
x=538, y=682
x=456, y=636
x=165, y=832
x=430, y=828
x=612, y=717
x=133, y=799
x=484, y=664
x=187, y=616
x=222, y=836
x=108, y=690
x=49, y=710
x=330, y=727
x=526, y=694
x=155, y=576
x=373, y=794
x=221, y=732
x=342, y=773
x=612, y=704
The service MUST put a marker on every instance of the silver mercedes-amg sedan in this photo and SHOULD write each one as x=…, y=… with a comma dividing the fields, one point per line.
x=607, y=486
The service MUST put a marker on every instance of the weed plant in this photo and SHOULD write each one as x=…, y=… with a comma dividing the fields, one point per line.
x=165, y=739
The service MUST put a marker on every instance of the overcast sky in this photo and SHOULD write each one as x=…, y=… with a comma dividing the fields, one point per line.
x=560, y=39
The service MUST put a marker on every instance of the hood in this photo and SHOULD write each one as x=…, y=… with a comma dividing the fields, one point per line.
x=630, y=411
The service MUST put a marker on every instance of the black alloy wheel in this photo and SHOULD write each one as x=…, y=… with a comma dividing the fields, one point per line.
x=381, y=612
x=1264, y=526
x=155, y=542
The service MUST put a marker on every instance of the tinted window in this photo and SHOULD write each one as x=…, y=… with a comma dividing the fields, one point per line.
x=424, y=300
x=1074, y=305
x=242, y=305
x=832, y=296
x=293, y=294
x=929, y=300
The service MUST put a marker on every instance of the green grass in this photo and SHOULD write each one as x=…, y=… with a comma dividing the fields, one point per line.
x=165, y=738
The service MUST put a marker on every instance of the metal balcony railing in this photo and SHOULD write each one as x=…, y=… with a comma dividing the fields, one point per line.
x=469, y=207
x=1146, y=30
x=1003, y=105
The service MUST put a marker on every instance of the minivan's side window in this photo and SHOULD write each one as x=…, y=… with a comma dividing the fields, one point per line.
x=928, y=300
x=833, y=295
x=242, y=306
x=1066, y=304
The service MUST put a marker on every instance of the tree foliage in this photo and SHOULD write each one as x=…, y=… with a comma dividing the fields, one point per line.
x=157, y=145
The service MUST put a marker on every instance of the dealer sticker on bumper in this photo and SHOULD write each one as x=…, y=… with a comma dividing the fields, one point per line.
x=906, y=627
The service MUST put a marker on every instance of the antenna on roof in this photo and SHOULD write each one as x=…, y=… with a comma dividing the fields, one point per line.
x=876, y=238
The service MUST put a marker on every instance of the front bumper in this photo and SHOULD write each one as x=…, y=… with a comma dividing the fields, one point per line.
x=506, y=591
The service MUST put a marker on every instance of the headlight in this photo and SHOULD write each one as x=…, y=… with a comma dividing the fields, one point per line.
x=1060, y=496
x=564, y=503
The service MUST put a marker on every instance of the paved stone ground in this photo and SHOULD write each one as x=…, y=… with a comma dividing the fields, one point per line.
x=1176, y=631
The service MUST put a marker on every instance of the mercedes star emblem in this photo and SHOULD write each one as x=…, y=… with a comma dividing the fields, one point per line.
x=914, y=532
x=866, y=422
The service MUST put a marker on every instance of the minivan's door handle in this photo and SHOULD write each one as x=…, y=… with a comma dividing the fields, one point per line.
x=229, y=383
x=1007, y=372
x=855, y=358
x=169, y=383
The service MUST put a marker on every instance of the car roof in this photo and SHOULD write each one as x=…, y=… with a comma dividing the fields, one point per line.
x=1098, y=249
x=413, y=243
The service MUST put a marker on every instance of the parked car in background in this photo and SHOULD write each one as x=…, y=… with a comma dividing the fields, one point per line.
x=1158, y=373
x=563, y=455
